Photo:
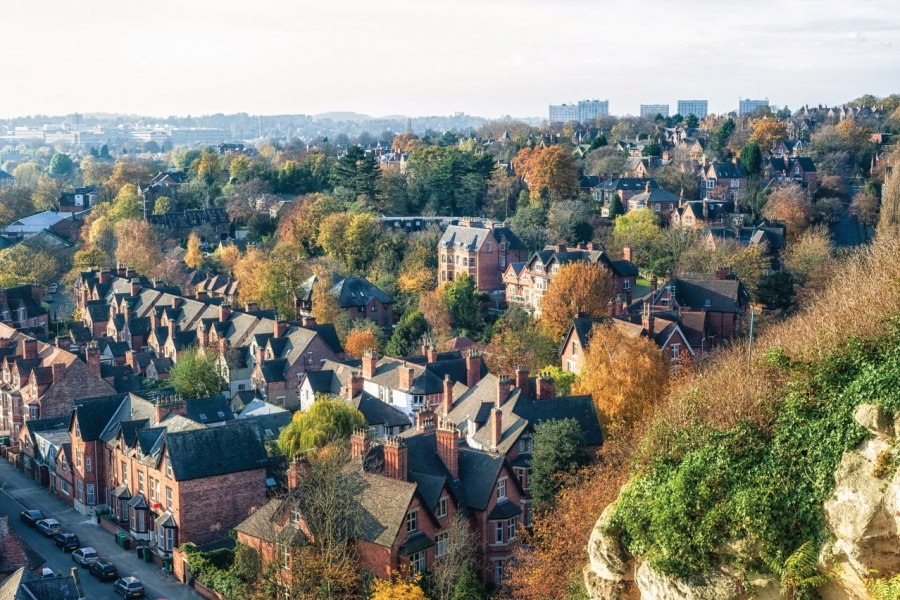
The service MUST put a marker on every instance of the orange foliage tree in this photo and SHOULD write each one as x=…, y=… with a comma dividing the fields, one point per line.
x=548, y=171
x=360, y=340
x=578, y=287
x=626, y=376
x=789, y=204
x=767, y=132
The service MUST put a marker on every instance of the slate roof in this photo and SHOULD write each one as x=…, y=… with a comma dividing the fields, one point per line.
x=26, y=585
x=212, y=451
x=384, y=502
x=727, y=170
x=627, y=184
x=215, y=409
x=259, y=524
x=93, y=414
x=724, y=295
x=190, y=218
x=378, y=412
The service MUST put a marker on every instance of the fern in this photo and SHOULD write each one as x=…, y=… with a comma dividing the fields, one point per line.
x=800, y=573
x=884, y=589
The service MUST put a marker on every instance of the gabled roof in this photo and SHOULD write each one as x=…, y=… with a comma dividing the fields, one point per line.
x=93, y=414
x=726, y=170
x=709, y=294
x=212, y=451
x=377, y=412
x=215, y=409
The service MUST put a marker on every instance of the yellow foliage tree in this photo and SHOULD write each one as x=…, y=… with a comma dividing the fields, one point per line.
x=624, y=375
x=416, y=279
x=577, y=288
x=397, y=589
x=253, y=272
x=360, y=340
x=193, y=258
x=767, y=132
x=789, y=204
x=228, y=257
x=551, y=171
x=325, y=307
x=137, y=245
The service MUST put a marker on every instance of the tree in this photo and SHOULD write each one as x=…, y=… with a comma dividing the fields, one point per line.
x=889, y=219
x=196, y=375
x=459, y=553
x=193, y=258
x=445, y=180
x=615, y=207
x=327, y=421
x=549, y=172
x=767, y=132
x=562, y=380
x=718, y=142
x=260, y=226
x=750, y=265
x=407, y=335
x=90, y=258
x=433, y=306
x=810, y=259
x=788, y=204
x=360, y=340
x=357, y=172
x=639, y=229
x=463, y=304
x=519, y=342
x=127, y=172
x=397, y=589
x=622, y=395
x=570, y=221
x=578, y=288
x=162, y=205
x=126, y=205
x=61, y=165
x=751, y=158
x=300, y=227
x=325, y=307
x=776, y=290
x=138, y=246
x=529, y=223
x=228, y=256
x=208, y=171
x=467, y=586
x=559, y=448
x=865, y=207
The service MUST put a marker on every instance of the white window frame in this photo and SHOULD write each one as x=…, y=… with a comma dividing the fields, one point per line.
x=443, y=503
x=676, y=351
x=412, y=521
x=90, y=495
x=511, y=529
x=441, y=544
x=417, y=562
x=501, y=488
x=499, y=530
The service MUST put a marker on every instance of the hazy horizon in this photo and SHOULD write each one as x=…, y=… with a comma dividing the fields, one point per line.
x=490, y=59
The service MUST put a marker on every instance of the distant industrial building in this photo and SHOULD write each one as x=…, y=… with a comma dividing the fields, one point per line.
x=698, y=108
x=749, y=107
x=651, y=110
x=583, y=111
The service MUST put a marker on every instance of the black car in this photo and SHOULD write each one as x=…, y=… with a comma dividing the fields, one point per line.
x=31, y=516
x=130, y=587
x=67, y=541
x=104, y=570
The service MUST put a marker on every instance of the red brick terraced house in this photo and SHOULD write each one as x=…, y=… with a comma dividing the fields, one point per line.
x=480, y=249
x=20, y=307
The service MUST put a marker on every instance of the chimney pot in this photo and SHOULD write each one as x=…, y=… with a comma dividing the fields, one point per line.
x=473, y=368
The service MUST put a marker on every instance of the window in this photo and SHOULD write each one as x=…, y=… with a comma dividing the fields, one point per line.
x=90, y=494
x=574, y=348
x=124, y=472
x=656, y=207
x=498, y=532
x=141, y=515
x=168, y=542
x=140, y=482
x=522, y=474
x=498, y=572
x=490, y=246
x=676, y=351
x=442, y=508
x=168, y=468
x=501, y=489
x=417, y=562
x=155, y=491
x=80, y=491
x=710, y=184
x=412, y=521
x=285, y=557
x=626, y=284
x=735, y=183
x=168, y=497
x=78, y=458
x=511, y=530
x=442, y=541
x=32, y=411
x=64, y=486
x=295, y=515
x=87, y=464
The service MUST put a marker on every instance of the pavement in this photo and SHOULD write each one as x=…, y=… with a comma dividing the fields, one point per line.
x=18, y=491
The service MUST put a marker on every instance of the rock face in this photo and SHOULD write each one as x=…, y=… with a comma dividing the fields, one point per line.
x=608, y=574
x=863, y=512
x=710, y=586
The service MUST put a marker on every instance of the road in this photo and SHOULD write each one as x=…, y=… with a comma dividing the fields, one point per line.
x=18, y=491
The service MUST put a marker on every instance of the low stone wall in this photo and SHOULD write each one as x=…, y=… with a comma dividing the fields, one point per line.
x=206, y=592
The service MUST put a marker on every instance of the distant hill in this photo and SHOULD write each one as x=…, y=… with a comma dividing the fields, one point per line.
x=352, y=117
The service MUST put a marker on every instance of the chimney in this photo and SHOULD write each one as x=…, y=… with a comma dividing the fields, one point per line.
x=447, y=398
x=723, y=273
x=279, y=328
x=448, y=446
x=224, y=312
x=522, y=379
x=131, y=361
x=369, y=361
x=295, y=471
x=154, y=320
x=201, y=295
x=647, y=187
x=430, y=353
x=354, y=386
x=59, y=371
x=172, y=328
x=308, y=321
x=223, y=345
x=681, y=198
x=561, y=248
x=654, y=284
x=546, y=388
x=260, y=354
x=28, y=348
x=129, y=272
x=610, y=308
x=647, y=320
x=591, y=246
x=626, y=253
x=251, y=306
x=706, y=209
x=120, y=270
x=135, y=287
x=92, y=358
x=504, y=387
x=473, y=368
x=424, y=420
x=496, y=424
x=170, y=405
x=105, y=276
x=395, y=458
x=359, y=443
x=620, y=305
x=406, y=377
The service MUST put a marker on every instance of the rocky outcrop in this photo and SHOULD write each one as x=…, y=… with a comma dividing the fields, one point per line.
x=709, y=586
x=863, y=512
x=609, y=572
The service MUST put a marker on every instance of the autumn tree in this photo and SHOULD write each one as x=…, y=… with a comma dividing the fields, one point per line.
x=325, y=307
x=406, y=142
x=360, y=340
x=767, y=132
x=518, y=341
x=462, y=302
x=196, y=375
x=90, y=258
x=433, y=306
x=162, y=205
x=127, y=172
x=458, y=558
x=397, y=589
x=549, y=172
x=137, y=245
x=126, y=205
x=788, y=204
x=570, y=221
x=639, y=229
x=622, y=394
x=811, y=259
x=193, y=258
x=228, y=256
x=578, y=288
x=327, y=421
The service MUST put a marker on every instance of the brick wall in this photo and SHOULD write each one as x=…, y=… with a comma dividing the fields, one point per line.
x=212, y=506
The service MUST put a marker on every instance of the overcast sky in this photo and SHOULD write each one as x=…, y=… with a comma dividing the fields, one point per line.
x=426, y=57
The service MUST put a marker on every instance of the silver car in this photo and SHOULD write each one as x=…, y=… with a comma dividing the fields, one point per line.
x=49, y=527
x=85, y=556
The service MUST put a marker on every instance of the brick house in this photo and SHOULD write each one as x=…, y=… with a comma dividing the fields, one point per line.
x=356, y=296
x=526, y=283
x=723, y=181
x=624, y=188
x=40, y=381
x=482, y=250
x=662, y=202
x=20, y=308
x=696, y=214
x=39, y=441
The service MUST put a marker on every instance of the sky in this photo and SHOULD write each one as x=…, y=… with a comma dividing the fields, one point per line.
x=437, y=57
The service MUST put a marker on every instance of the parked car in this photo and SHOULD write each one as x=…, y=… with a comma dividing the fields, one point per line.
x=104, y=570
x=31, y=516
x=53, y=288
x=49, y=527
x=130, y=587
x=85, y=556
x=67, y=541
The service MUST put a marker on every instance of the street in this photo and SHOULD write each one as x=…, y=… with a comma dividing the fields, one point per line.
x=18, y=492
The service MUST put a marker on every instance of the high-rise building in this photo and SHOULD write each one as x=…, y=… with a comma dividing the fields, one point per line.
x=748, y=106
x=698, y=108
x=651, y=110
x=583, y=111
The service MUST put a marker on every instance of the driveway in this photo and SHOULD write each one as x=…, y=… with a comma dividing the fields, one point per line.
x=18, y=491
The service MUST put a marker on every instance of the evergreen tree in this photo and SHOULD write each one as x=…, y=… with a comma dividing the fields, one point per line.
x=407, y=334
x=467, y=586
x=615, y=207
x=357, y=172
x=558, y=448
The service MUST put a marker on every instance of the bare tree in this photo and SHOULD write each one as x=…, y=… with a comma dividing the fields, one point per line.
x=460, y=552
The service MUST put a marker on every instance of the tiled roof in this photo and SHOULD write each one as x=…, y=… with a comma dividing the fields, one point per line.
x=212, y=451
